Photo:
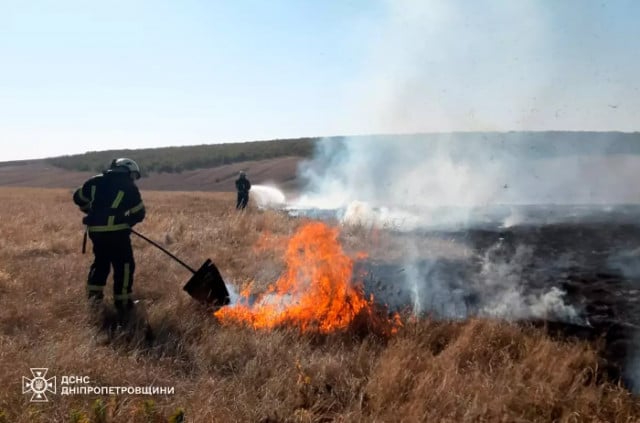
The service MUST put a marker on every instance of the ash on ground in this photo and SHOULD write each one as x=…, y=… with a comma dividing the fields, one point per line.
x=572, y=269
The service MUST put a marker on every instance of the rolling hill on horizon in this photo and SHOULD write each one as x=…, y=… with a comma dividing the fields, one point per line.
x=214, y=167
x=187, y=168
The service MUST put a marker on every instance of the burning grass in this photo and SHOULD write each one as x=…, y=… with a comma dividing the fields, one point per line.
x=477, y=370
x=315, y=292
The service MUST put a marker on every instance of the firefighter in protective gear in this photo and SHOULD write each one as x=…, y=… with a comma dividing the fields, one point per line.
x=242, y=186
x=113, y=205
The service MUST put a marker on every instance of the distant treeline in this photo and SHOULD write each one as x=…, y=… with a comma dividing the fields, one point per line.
x=178, y=159
x=518, y=144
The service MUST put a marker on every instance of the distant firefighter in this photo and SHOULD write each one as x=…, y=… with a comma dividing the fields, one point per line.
x=243, y=186
x=112, y=204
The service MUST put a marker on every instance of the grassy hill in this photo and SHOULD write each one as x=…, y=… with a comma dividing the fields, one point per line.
x=179, y=159
x=188, y=168
x=214, y=167
x=280, y=171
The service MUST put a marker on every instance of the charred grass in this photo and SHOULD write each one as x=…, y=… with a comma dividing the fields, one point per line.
x=477, y=370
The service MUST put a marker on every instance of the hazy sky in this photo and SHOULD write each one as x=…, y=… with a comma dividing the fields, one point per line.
x=79, y=75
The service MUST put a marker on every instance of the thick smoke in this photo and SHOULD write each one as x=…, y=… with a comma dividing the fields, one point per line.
x=504, y=280
x=435, y=180
x=465, y=182
x=507, y=291
x=444, y=66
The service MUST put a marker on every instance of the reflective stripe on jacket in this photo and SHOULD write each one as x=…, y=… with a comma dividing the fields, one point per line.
x=112, y=202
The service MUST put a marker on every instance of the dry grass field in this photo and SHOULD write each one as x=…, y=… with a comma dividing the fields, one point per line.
x=477, y=370
x=279, y=170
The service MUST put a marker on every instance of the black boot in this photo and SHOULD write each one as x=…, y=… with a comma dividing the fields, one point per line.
x=126, y=312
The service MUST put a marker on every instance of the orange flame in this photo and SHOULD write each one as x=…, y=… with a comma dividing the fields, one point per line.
x=314, y=293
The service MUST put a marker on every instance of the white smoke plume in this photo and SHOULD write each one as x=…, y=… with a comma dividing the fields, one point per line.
x=491, y=65
x=443, y=66
x=268, y=196
x=434, y=180
x=627, y=262
x=506, y=294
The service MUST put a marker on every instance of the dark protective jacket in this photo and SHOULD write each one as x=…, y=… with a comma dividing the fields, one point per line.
x=111, y=201
x=243, y=185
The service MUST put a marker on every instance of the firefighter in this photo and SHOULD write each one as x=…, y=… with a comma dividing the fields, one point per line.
x=113, y=205
x=242, y=186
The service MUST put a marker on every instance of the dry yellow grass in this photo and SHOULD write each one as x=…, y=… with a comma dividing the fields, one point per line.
x=430, y=371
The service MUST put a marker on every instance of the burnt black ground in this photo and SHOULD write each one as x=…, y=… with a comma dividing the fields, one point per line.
x=592, y=261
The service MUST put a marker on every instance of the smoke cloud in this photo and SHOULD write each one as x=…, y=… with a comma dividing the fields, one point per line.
x=440, y=179
x=467, y=182
x=489, y=67
x=443, y=66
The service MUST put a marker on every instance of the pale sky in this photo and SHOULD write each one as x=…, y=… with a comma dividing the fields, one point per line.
x=79, y=75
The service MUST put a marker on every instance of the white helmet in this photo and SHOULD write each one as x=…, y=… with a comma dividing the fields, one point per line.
x=128, y=164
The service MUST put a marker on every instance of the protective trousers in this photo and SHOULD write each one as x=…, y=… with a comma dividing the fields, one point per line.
x=243, y=199
x=112, y=249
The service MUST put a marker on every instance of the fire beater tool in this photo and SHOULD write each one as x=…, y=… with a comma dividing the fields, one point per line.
x=206, y=285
